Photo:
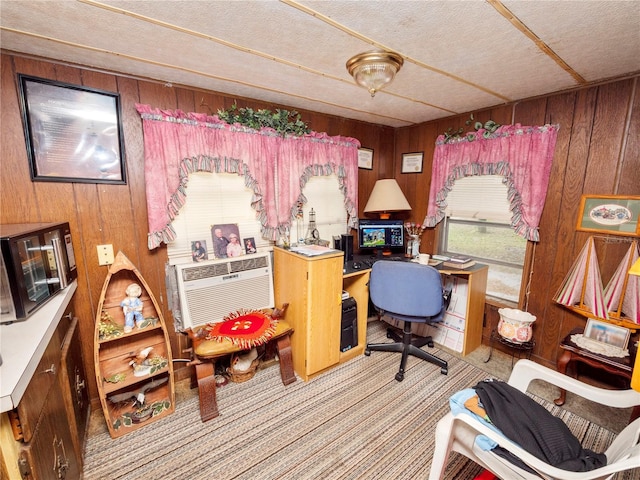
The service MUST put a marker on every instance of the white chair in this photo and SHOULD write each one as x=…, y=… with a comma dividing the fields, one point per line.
x=458, y=433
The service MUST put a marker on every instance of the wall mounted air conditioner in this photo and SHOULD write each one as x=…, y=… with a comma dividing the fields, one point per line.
x=211, y=290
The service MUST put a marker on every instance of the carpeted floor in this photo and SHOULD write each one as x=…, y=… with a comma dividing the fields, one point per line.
x=355, y=422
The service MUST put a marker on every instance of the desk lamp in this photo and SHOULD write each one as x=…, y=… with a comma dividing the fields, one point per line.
x=635, y=376
x=386, y=197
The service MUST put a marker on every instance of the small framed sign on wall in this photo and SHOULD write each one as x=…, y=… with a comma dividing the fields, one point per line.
x=365, y=158
x=73, y=133
x=412, y=162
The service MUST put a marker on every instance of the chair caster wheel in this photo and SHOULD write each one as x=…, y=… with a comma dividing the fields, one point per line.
x=444, y=370
x=399, y=376
x=367, y=352
x=389, y=334
x=430, y=344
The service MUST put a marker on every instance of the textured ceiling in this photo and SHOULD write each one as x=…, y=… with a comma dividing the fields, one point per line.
x=460, y=56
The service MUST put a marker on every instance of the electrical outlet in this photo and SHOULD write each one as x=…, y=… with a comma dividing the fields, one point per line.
x=105, y=254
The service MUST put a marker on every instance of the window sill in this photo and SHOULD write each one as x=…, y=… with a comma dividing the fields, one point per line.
x=500, y=302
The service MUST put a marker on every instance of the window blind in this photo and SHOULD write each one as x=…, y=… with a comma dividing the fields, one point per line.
x=222, y=198
x=481, y=197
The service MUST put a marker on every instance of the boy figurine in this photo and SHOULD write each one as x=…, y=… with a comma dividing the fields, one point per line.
x=132, y=307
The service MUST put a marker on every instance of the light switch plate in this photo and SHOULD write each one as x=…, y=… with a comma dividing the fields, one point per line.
x=105, y=254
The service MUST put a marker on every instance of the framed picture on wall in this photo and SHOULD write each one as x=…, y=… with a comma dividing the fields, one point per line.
x=412, y=162
x=73, y=133
x=610, y=214
x=365, y=158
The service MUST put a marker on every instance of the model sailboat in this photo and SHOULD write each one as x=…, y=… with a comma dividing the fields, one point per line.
x=582, y=290
x=623, y=291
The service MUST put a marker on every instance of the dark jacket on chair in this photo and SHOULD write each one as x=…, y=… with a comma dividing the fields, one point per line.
x=534, y=428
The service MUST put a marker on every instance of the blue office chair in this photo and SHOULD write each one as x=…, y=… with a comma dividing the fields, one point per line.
x=412, y=293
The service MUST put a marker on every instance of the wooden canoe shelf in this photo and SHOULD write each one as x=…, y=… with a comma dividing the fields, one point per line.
x=134, y=370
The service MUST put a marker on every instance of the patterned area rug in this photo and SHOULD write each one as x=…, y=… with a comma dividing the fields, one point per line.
x=354, y=422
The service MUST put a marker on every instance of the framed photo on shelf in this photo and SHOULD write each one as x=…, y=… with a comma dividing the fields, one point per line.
x=610, y=214
x=199, y=251
x=365, y=158
x=73, y=133
x=412, y=162
x=226, y=240
x=249, y=245
x=607, y=333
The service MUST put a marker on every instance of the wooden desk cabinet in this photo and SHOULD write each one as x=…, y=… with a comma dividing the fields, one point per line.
x=476, y=277
x=357, y=284
x=461, y=332
x=312, y=286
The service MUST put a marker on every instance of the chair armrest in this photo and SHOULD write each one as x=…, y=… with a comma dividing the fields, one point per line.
x=526, y=371
x=536, y=463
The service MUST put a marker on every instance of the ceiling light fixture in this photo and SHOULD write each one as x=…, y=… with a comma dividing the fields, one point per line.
x=374, y=70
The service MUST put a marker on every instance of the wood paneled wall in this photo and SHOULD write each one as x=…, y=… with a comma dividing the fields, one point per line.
x=597, y=152
x=117, y=214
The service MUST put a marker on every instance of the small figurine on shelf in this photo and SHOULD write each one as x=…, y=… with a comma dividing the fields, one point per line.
x=140, y=362
x=132, y=307
x=312, y=236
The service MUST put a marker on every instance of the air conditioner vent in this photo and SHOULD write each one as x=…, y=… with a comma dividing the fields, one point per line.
x=211, y=290
x=241, y=265
x=211, y=304
x=205, y=271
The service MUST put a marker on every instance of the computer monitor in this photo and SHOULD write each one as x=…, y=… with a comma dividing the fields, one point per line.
x=381, y=235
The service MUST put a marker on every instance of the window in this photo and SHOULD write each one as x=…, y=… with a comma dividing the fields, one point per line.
x=478, y=224
x=324, y=196
x=213, y=198
x=217, y=198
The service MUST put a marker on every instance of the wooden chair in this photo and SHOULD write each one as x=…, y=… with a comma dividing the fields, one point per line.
x=206, y=352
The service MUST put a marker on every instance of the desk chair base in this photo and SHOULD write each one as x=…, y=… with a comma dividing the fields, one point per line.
x=407, y=345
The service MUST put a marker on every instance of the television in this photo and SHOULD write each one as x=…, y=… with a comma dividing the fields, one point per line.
x=381, y=235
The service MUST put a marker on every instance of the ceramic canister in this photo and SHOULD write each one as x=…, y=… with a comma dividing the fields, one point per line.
x=515, y=325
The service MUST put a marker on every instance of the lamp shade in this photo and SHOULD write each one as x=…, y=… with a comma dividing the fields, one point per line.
x=635, y=268
x=385, y=197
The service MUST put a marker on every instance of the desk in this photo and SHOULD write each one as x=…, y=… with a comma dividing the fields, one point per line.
x=620, y=367
x=462, y=334
x=312, y=286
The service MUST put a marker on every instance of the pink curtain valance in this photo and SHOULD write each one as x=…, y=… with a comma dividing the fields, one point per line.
x=276, y=168
x=522, y=155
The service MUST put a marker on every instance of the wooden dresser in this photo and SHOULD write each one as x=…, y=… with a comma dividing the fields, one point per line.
x=45, y=405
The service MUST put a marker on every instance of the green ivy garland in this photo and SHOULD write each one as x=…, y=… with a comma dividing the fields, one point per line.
x=489, y=127
x=282, y=121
